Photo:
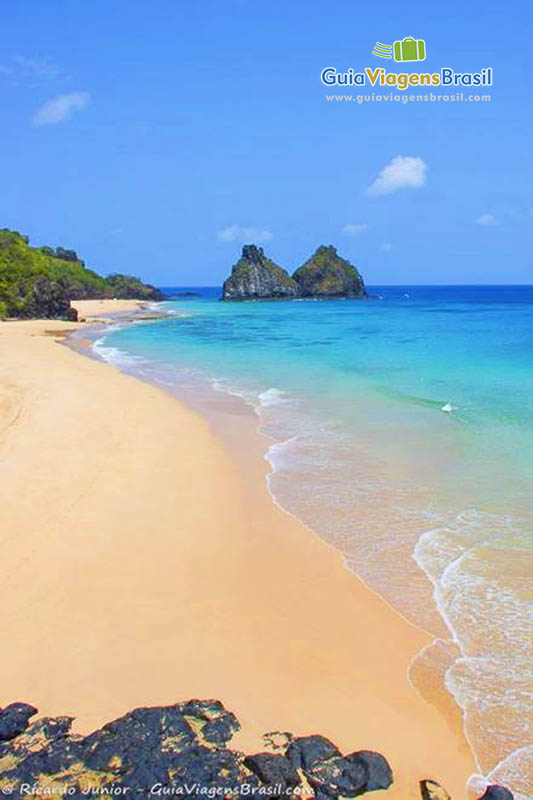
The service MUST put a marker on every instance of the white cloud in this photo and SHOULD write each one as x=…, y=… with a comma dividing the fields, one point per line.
x=22, y=71
x=60, y=108
x=353, y=228
x=402, y=172
x=487, y=220
x=236, y=233
x=386, y=247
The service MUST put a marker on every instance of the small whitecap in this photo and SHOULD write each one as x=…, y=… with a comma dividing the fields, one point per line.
x=273, y=397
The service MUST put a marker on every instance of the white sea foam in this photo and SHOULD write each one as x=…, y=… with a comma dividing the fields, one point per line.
x=448, y=408
x=116, y=356
x=221, y=385
x=273, y=397
x=477, y=589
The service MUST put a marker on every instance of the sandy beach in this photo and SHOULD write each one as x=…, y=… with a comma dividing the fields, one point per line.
x=142, y=564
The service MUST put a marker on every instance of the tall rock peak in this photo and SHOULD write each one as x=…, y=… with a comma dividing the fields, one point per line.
x=256, y=277
x=252, y=253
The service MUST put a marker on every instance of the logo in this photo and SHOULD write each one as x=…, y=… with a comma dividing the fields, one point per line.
x=407, y=49
x=382, y=50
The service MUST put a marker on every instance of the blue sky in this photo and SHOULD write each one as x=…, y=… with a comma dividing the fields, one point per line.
x=156, y=138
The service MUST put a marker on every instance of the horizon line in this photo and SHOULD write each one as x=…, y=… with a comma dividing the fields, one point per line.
x=368, y=285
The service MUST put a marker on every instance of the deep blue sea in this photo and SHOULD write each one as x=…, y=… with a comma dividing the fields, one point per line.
x=401, y=430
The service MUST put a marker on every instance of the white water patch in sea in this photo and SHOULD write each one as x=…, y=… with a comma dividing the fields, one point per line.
x=273, y=397
x=116, y=356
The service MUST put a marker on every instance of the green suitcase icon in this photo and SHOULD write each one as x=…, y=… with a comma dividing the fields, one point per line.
x=410, y=49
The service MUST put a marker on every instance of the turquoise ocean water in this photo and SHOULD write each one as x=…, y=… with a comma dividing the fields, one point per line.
x=401, y=432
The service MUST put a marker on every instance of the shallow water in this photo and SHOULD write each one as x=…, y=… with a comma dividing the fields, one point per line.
x=402, y=434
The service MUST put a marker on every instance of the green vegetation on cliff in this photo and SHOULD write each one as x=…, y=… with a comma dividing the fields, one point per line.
x=40, y=281
x=326, y=274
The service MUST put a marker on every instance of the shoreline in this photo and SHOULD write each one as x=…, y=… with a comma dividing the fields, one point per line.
x=280, y=610
x=426, y=676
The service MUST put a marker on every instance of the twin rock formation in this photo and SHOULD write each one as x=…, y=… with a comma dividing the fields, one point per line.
x=325, y=274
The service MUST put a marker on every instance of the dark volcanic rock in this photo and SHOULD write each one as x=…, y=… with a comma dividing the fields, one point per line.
x=149, y=746
x=273, y=770
x=431, y=790
x=49, y=300
x=14, y=719
x=379, y=771
x=332, y=774
x=326, y=274
x=495, y=792
x=166, y=750
x=306, y=751
x=255, y=276
x=220, y=725
x=346, y=777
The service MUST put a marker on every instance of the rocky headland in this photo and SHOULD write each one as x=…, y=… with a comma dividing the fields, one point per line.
x=324, y=275
x=182, y=750
x=40, y=282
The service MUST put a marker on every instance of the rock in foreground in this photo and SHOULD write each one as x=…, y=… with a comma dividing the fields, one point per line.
x=494, y=792
x=182, y=751
x=431, y=790
x=177, y=750
x=256, y=277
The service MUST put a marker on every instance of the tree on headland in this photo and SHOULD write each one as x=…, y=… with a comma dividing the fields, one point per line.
x=41, y=281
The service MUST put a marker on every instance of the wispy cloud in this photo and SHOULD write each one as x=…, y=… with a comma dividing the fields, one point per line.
x=487, y=220
x=386, y=247
x=353, y=228
x=61, y=108
x=23, y=71
x=236, y=233
x=401, y=173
